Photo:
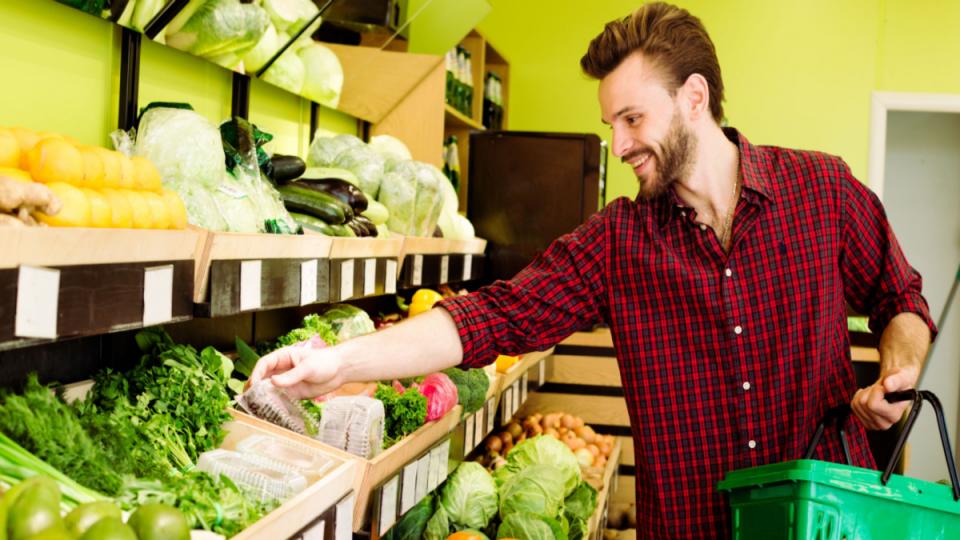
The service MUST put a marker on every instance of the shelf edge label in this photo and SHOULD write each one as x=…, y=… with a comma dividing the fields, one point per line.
x=157, y=294
x=38, y=297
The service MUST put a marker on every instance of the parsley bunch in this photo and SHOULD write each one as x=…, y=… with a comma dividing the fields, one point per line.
x=404, y=413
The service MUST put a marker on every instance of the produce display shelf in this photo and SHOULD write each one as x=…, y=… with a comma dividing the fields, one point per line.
x=474, y=427
x=362, y=267
x=598, y=520
x=526, y=376
x=428, y=262
x=72, y=282
x=455, y=118
x=411, y=468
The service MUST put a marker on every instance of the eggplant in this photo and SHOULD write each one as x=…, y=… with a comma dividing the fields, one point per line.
x=369, y=228
x=286, y=168
x=342, y=190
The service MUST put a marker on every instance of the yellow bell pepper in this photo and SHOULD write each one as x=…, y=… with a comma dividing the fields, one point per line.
x=423, y=300
x=505, y=362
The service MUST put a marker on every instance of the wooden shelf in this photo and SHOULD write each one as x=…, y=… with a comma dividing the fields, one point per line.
x=457, y=119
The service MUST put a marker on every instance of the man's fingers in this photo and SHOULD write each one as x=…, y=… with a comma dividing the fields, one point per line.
x=293, y=376
x=276, y=362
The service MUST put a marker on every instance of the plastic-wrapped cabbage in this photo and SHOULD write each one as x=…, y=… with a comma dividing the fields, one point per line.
x=235, y=203
x=324, y=75
x=398, y=192
x=184, y=146
x=290, y=15
x=201, y=207
x=221, y=27
x=455, y=226
x=348, y=321
x=258, y=56
x=287, y=73
x=390, y=147
x=469, y=496
x=325, y=149
x=429, y=199
x=366, y=164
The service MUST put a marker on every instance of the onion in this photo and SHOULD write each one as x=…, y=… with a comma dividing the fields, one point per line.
x=593, y=449
x=601, y=461
x=568, y=421
x=551, y=432
x=507, y=438
x=584, y=457
x=587, y=434
x=494, y=444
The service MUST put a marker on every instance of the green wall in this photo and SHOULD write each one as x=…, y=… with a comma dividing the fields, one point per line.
x=62, y=71
x=797, y=74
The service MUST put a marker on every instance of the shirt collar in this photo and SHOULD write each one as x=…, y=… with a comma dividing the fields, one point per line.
x=753, y=164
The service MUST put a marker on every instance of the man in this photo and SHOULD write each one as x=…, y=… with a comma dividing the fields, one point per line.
x=724, y=284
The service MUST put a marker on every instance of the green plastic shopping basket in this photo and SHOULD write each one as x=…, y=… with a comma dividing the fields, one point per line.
x=818, y=500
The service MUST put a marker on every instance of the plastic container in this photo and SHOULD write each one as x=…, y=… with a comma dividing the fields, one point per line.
x=257, y=476
x=299, y=457
x=267, y=402
x=809, y=499
x=354, y=424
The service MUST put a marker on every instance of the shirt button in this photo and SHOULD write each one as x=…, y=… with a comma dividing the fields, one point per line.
x=737, y=330
x=728, y=272
x=752, y=444
x=703, y=227
x=684, y=214
x=746, y=385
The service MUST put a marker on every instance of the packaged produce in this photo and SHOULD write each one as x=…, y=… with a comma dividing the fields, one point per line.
x=267, y=402
x=305, y=460
x=354, y=424
x=258, y=476
x=220, y=30
x=323, y=74
x=326, y=148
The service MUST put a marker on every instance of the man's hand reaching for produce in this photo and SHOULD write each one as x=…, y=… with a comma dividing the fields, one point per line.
x=303, y=372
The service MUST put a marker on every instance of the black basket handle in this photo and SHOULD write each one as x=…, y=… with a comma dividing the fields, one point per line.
x=839, y=414
x=918, y=397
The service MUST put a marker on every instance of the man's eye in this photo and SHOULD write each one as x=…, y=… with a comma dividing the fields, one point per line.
x=633, y=120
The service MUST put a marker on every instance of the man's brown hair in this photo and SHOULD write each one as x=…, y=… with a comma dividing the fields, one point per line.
x=670, y=37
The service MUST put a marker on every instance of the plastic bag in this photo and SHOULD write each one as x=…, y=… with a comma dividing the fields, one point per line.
x=221, y=28
x=184, y=146
x=398, y=192
x=366, y=164
x=429, y=201
x=324, y=149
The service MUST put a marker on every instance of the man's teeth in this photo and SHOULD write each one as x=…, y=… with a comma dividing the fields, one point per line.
x=640, y=161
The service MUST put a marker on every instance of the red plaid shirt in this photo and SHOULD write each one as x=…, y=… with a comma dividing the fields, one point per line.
x=727, y=361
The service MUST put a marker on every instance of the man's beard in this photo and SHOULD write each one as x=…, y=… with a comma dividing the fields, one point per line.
x=673, y=164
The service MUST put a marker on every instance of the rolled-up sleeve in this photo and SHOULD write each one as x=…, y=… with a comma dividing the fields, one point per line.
x=560, y=292
x=878, y=280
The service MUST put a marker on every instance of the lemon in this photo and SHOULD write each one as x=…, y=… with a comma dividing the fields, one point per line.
x=142, y=216
x=176, y=209
x=9, y=149
x=146, y=176
x=93, y=170
x=121, y=213
x=76, y=207
x=101, y=214
x=55, y=160
x=127, y=173
x=158, y=209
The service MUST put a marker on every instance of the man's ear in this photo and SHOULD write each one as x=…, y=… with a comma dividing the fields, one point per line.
x=695, y=93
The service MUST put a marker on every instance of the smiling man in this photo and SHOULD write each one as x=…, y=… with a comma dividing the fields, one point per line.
x=724, y=284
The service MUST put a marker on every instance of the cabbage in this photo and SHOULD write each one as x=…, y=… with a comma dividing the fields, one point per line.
x=390, y=147
x=348, y=321
x=324, y=149
x=577, y=529
x=455, y=226
x=287, y=73
x=234, y=203
x=183, y=145
x=469, y=496
x=290, y=15
x=258, y=56
x=429, y=199
x=537, y=489
x=546, y=451
x=324, y=75
x=221, y=27
x=438, y=528
x=398, y=192
x=581, y=503
x=366, y=164
x=201, y=207
x=530, y=527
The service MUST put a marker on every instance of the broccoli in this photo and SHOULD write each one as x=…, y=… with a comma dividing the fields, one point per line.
x=472, y=386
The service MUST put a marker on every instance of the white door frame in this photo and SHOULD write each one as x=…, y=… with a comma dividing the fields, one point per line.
x=884, y=102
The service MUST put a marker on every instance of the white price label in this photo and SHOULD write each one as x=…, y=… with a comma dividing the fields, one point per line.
x=524, y=383
x=308, y=282
x=408, y=488
x=250, y=272
x=445, y=451
x=478, y=431
x=390, y=280
x=417, y=270
x=369, y=277
x=516, y=399
x=38, y=297
x=467, y=266
x=444, y=269
x=468, y=438
x=346, y=279
x=491, y=410
x=157, y=295
x=316, y=532
x=344, y=526
x=423, y=477
x=505, y=402
x=438, y=467
x=388, y=504
x=543, y=373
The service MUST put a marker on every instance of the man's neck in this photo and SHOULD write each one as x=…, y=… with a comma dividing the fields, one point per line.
x=710, y=187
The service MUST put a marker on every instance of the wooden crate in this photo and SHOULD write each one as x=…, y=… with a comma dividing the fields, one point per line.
x=598, y=520
x=428, y=262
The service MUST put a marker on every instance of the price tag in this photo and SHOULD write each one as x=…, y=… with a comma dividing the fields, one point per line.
x=250, y=284
x=346, y=279
x=543, y=373
x=388, y=504
x=478, y=431
x=369, y=277
x=316, y=532
x=308, y=282
x=408, y=488
x=444, y=269
x=467, y=266
x=468, y=438
x=438, y=467
x=157, y=295
x=491, y=410
x=506, y=403
x=390, y=281
x=444, y=461
x=524, y=383
x=38, y=296
x=417, y=270
x=344, y=519
x=423, y=477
